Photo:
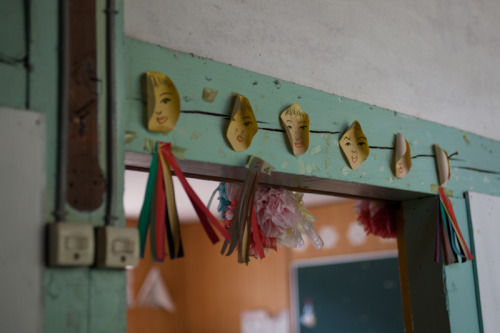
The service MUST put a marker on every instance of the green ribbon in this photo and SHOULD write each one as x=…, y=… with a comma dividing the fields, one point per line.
x=144, y=218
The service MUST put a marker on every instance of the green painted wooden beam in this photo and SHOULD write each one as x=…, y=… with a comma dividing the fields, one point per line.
x=201, y=128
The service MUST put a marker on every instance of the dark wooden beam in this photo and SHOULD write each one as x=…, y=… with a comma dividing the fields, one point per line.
x=85, y=181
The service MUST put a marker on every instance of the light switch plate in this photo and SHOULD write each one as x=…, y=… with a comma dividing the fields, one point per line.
x=70, y=244
x=117, y=247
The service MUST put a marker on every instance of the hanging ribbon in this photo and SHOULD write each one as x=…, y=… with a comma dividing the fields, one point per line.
x=259, y=248
x=453, y=242
x=144, y=217
x=171, y=218
x=205, y=216
x=160, y=215
x=242, y=220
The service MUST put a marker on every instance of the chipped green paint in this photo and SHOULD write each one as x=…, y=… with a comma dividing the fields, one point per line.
x=316, y=150
x=447, y=191
x=266, y=136
x=196, y=135
x=179, y=152
x=301, y=166
x=466, y=140
x=284, y=164
x=309, y=169
x=149, y=145
x=130, y=136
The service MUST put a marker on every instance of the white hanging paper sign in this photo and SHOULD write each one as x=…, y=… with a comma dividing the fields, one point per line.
x=154, y=292
x=296, y=124
x=402, y=157
x=442, y=165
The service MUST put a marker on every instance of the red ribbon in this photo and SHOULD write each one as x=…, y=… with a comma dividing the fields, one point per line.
x=202, y=211
x=259, y=249
x=448, y=205
x=160, y=215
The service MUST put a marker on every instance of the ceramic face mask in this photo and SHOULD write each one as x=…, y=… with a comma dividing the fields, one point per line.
x=354, y=145
x=442, y=165
x=242, y=125
x=402, y=157
x=296, y=123
x=163, y=103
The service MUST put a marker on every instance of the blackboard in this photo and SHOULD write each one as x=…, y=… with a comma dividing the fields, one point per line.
x=360, y=296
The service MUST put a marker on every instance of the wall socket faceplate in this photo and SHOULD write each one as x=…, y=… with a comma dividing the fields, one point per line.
x=117, y=247
x=70, y=244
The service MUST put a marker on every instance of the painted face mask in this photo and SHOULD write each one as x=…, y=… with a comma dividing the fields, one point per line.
x=401, y=162
x=242, y=125
x=163, y=103
x=442, y=165
x=354, y=145
x=296, y=124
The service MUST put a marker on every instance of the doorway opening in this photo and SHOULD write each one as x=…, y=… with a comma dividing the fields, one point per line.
x=225, y=296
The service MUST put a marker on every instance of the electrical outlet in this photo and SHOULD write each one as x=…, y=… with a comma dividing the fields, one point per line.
x=117, y=247
x=70, y=244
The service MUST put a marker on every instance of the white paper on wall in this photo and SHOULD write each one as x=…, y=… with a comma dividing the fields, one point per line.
x=154, y=292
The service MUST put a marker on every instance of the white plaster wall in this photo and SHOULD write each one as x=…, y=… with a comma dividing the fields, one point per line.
x=434, y=59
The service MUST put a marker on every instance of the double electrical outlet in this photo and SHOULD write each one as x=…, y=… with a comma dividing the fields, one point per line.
x=75, y=244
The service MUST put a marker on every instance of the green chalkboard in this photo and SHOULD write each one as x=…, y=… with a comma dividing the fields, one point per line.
x=361, y=296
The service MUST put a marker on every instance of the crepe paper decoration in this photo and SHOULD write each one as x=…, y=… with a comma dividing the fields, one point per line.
x=402, y=157
x=242, y=219
x=442, y=165
x=296, y=124
x=209, y=94
x=354, y=145
x=305, y=224
x=242, y=124
x=377, y=218
x=280, y=216
x=449, y=235
x=206, y=218
x=154, y=292
x=163, y=105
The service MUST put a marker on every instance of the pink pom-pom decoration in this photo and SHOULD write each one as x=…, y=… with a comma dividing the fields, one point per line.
x=377, y=218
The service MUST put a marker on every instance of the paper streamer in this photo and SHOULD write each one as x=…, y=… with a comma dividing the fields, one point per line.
x=160, y=215
x=242, y=220
x=454, y=247
x=205, y=216
x=172, y=220
x=144, y=217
